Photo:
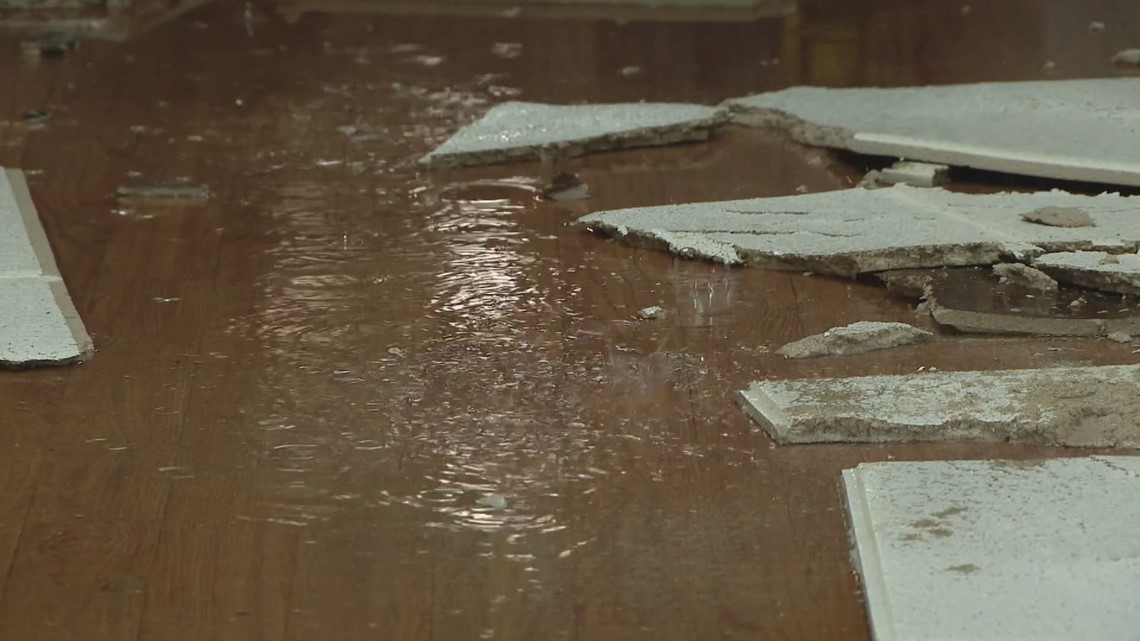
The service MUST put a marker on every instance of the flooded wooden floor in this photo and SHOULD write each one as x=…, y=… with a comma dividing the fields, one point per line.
x=347, y=399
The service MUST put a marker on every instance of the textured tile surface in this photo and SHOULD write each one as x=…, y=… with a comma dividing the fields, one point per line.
x=1093, y=125
x=998, y=550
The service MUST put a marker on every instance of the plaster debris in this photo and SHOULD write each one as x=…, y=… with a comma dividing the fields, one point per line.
x=918, y=174
x=1119, y=337
x=507, y=50
x=853, y=231
x=179, y=189
x=518, y=131
x=630, y=71
x=566, y=186
x=974, y=301
x=856, y=338
x=652, y=313
x=1025, y=276
x=1073, y=406
x=992, y=126
x=1127, y=58
x=38, y=322
x=997, y=549
x=1096, y=26
x=1097, y=270
x=1060, y=217
x=56, y=43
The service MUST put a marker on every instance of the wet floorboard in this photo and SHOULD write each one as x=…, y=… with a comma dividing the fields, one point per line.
x=344, y=397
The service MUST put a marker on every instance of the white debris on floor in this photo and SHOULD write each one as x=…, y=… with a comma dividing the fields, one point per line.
x=38, y=323
x=917, y=174
x=989, y=550
x=856, y=338
x=1025, y=276
x=1073, y=406
x=517, y=131
x=858, y=230
x=1066, y=129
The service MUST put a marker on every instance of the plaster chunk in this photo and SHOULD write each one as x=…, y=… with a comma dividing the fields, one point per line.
x=918, y=174
x=993, y=126
x=1025, y=276
x=1060, y=217
x=856, y=338
x=519, y=131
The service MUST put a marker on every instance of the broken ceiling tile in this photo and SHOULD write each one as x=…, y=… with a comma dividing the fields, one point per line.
x=38, y=323
x=997, y=549
x=1098, y=270
x=858, y=230
x=971, y=300
x=1091, y=125
x=856, y=338
x=517, y=131
x=1075, y=406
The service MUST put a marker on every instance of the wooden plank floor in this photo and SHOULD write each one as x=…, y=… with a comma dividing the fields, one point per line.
x=347, y=399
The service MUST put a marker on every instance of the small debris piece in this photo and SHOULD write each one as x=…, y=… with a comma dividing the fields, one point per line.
x=178, y=189
x=56, y=43
x=397, y=352
x=856, y=338
x=630, y=71
x=1097, y=270
x=507, y=50
x=566, y=186
x=493, y=501
x=652, y=313
x=1096, y=27
x=871, y=180
x=1073, y=406
x=1127, y=58
x=1025, y=276
x=1119, y=337
x=36, y=116
x=917, y=174
x=1060, y=217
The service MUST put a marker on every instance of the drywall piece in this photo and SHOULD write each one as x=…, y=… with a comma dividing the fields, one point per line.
x=1075, y=406
x=998, y=550
x=1060, y=217
x=652, y=313
x=994, y=126
x=1099, y=270
x=38, y=323
x=856, y=338
x=516, y=131
x=971, y=300
x=1025, y=276
x=858, y=230
x=918, y=174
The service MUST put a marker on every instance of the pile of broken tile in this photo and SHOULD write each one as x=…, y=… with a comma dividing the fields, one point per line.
x=1045, y=263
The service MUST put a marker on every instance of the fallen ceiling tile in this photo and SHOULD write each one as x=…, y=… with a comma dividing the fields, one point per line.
x=1093, y=131
x=976, y=301
x=856, y=338
x=1076, y=406
x=38, y=323
x=1099, y=270
x=867, y=230
x=989, y=550
x=517, y=131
